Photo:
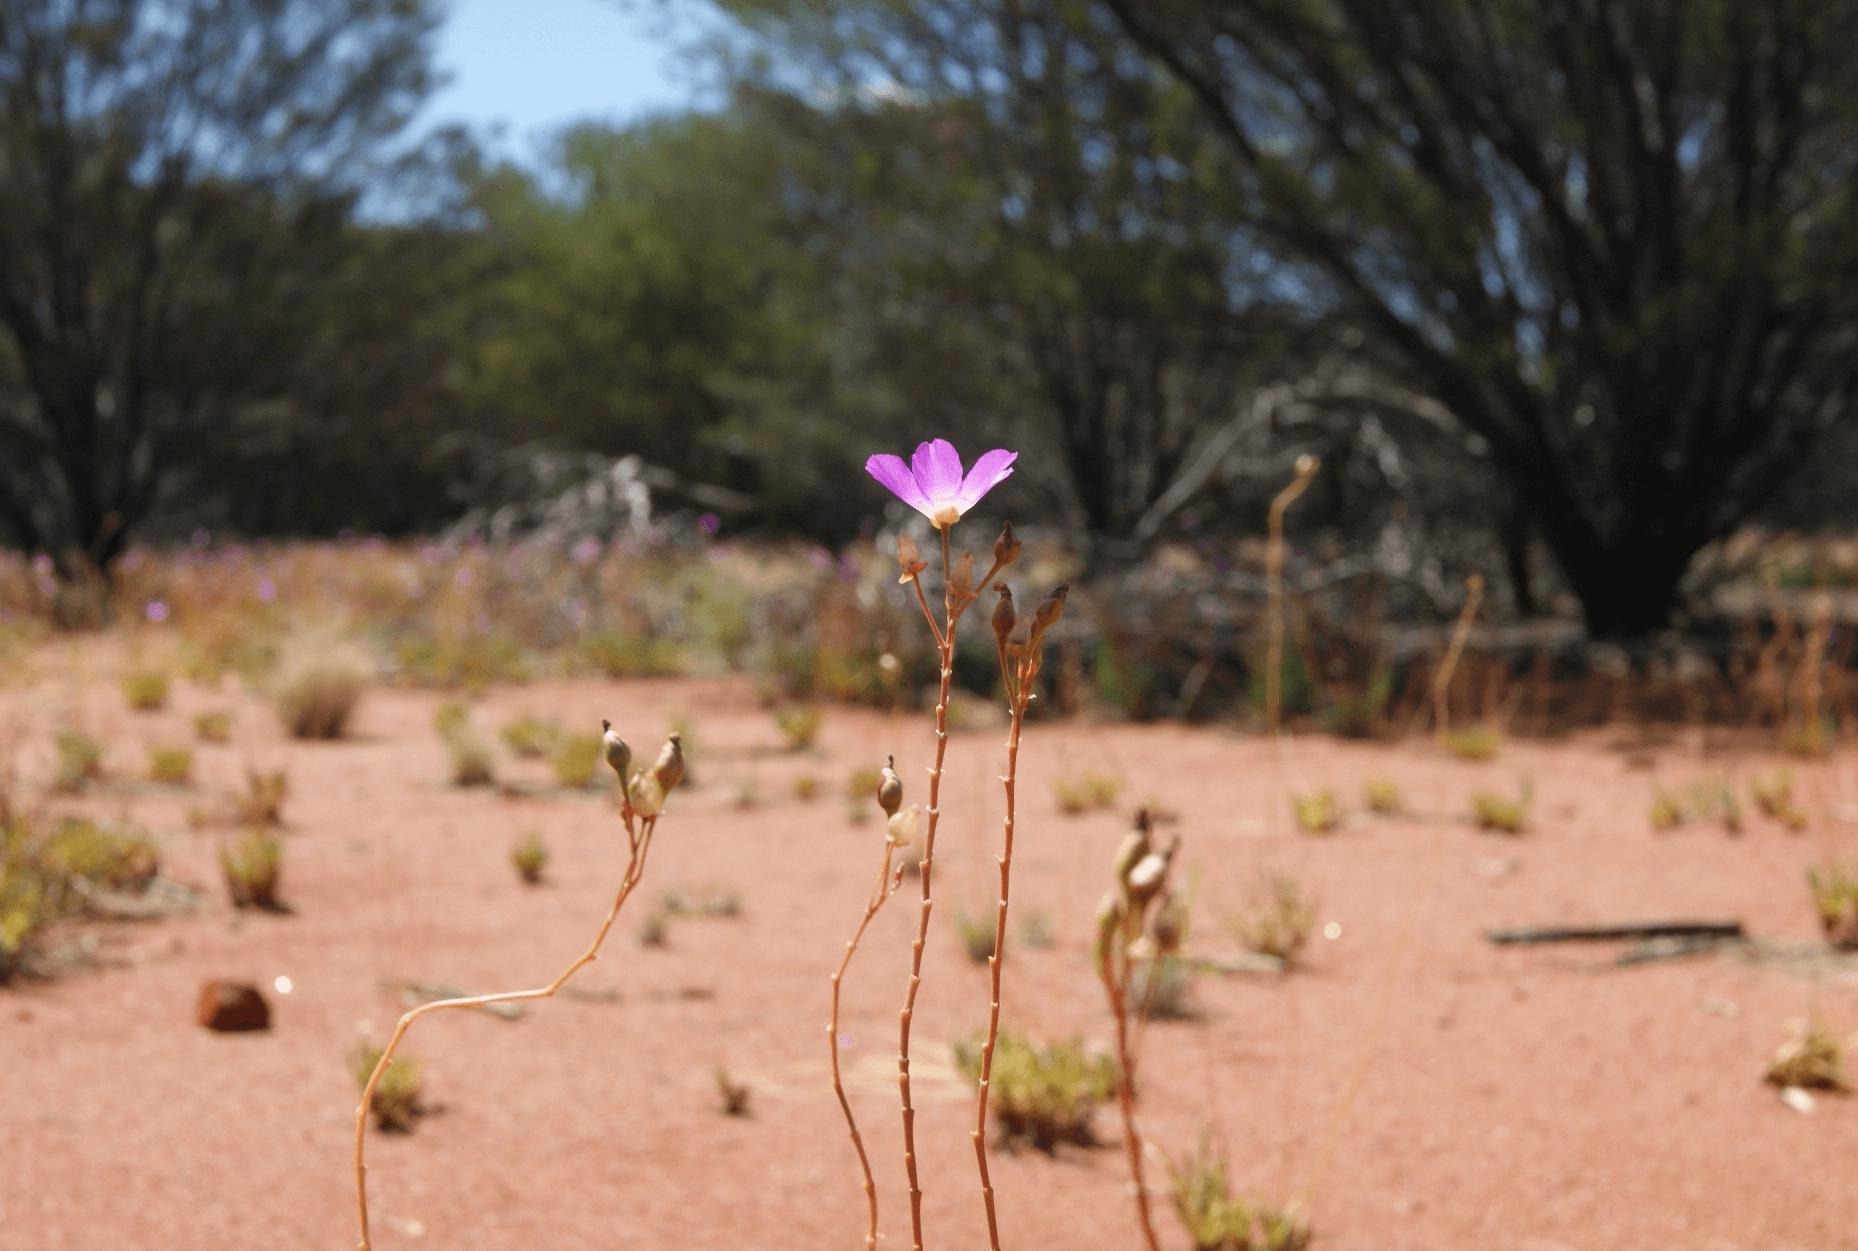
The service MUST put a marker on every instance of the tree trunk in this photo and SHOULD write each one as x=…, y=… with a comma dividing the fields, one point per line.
x=1628, y=590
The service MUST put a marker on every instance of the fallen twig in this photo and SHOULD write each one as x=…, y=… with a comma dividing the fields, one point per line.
x=1715, y=930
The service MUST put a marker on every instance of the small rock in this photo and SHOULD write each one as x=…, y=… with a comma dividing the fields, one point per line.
x=1797, y=1099
x=229, y=1007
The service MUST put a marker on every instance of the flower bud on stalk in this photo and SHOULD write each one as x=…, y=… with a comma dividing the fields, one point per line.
x=890, y=788
x=1006, y=547
x=961, y=581
x=1134, y=847
x=614, y=748
x=1005, y=615
x=645, y=794
x=910, y=560
x=669, y=769
x=902, y=826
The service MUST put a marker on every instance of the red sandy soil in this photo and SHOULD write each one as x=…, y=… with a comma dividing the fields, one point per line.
x=1414, y=1085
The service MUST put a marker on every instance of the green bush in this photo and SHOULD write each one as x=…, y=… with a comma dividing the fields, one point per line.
x=1043, y=1095
x=1218, y=1220
x=576, y=759
x=530, y=858
x=146, y=690
x=253, y=869
x=171, y=766
x=396, y=1104
x=79, y=763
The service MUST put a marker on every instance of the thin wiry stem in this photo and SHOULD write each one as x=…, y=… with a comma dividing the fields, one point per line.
x=1020, y=694
x=1461, y=632
x=641, y=842
x=1274, y=590
x=945, y=652
x=887, y=884
x=1115, y=976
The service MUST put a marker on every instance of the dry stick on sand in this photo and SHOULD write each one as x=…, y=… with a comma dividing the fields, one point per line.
x=890, y=798
x=642, y=802
x=957, y=594
x=1020, y=661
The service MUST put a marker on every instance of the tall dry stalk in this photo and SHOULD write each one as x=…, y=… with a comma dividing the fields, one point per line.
x=887, y=883
x=1274, y=590
x=1461, y=633
x=643, y=799
x=957, y=594
x=1020, y=662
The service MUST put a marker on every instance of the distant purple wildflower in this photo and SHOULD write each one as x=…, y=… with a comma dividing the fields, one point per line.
x=709, y=523
x=156, y=611
x=933, y=483
x=585, y=551
x=267, y=590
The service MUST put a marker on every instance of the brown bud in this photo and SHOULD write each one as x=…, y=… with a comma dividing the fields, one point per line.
x=890, y=788
x=669, y=769
x=910, y=560
x=615, y=750
x=961, y=580
x=1005, y=616
x=1050, y=610
x=1006, y=547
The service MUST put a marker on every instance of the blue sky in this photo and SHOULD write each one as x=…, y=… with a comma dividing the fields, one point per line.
x=528, y=66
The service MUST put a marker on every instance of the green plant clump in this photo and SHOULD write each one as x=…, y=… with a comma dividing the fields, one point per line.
x=1043, y=1095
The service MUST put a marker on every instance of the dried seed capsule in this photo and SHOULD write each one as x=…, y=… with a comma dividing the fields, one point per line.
x=1145, y=880
x=961, y=580
x=1050, y=609
x=645, y=794
x=614, y=748
x=910, y=560
x=669, y=769
x=1134, y=847
x=902, y=826
x=1006, y=547
x=1005, y=615
x=890, y=788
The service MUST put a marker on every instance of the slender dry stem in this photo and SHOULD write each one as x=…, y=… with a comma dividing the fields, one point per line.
x=1274, y=570
x=641, y=842
x=1019, y=691
x=1461, y=632
x=1115, y=974
x=887, y=883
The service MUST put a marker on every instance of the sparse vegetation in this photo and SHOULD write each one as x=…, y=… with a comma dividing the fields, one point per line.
x=1503, y=814
x=1037, y=930
x=1218, y=1220
x=1278, y=918
x=1812, y=1058
x=79, y=761
x=146, y=690
x=1087, y=792
x=656, y=929
x=1382, y=797
x=977, y=936
x=575, y=758
x=253, y=868
x=1317, y=812
x=1835, y=899
x=213, y=727
x=806, y=788
x=1773, y=797
x=734, y=1094
x=1161, y=989
x=170, y=766
x=1044, y=1096
x=530, y=858
x=799, y=726
x=1474, y=742
x=470, y=758
x=262, y=800
x=396, y=1104
x=317, y=696
x=530, y=737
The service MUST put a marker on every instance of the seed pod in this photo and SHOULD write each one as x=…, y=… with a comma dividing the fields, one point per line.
x=910, y=560
x=1050, y=609
x=902, y=826
x=645, y=794
x=1134, y=847
x=669, y=770
x=1006, y=547
x=1109, y=920
x=1168, y=924
x=1005, y=616
x=890, y=788
x=1146, y=879
x=961, y=580
x=614, y=748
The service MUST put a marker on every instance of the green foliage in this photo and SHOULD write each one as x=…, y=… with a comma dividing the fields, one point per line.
x=213, y=727
x=1773, y=797
x=1317, y=812
x=451, y=718
x=1500, y=814
x=529, y=858
x=1278, y=918
x=30, y=899
x=1162, y=989
x=146, y=690
x=471, y=761
x=656, y=931
x=977, y=936
x=1812, y=1058
x=79, y=761
x=1834, y=889
x=1042, y=1095
x=1360, y=714
x=1474, y=742
x=1087, y=792
x=1382, y=797
x=171, y=766
x=806, y=787
x=529, y=736
x=1218, y=1220
x=1707, y=799
x=114, y=859
x=468, y=660
x=799, y=725
x=576, y=760
x=620, y=655
x=262, y=800
x=253, y=868
x=396, y=1104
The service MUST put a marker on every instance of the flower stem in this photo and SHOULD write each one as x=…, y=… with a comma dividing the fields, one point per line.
x=635, y=869
x=886, y=886
x=1115, y=985
x=1009, y=780
x=945, y=651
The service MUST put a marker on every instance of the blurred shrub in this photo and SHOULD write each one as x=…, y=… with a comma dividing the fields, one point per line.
x=530, y=858
x=1834, y=889
x=171, y=766
x=1382, y=797
x=1474, y=742
x=576, y=760
x=253, y=869
x=1500, y=814
x=317, y=694
x=618, y=654
x=1217, y=1220
x=146, y=690
x=1316, y=812
x=1278, y=917
x=396, y=1103
x=213, y=727
x=799, y=725
x=79, y=761
x=114, y=859
x=1089, y=792
x=529, y=736
x=262, y=800
x=1042, y=1095
x=1811, y=1058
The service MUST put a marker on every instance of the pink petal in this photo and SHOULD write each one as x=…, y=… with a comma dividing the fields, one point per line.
x=990, y=470
x=937, y=466
x=896, y=476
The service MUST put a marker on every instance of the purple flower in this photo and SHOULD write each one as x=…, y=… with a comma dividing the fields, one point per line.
x=156, y=611
x=933, y=484
x=267, y=590
x=585, y=551
x=709, y=523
